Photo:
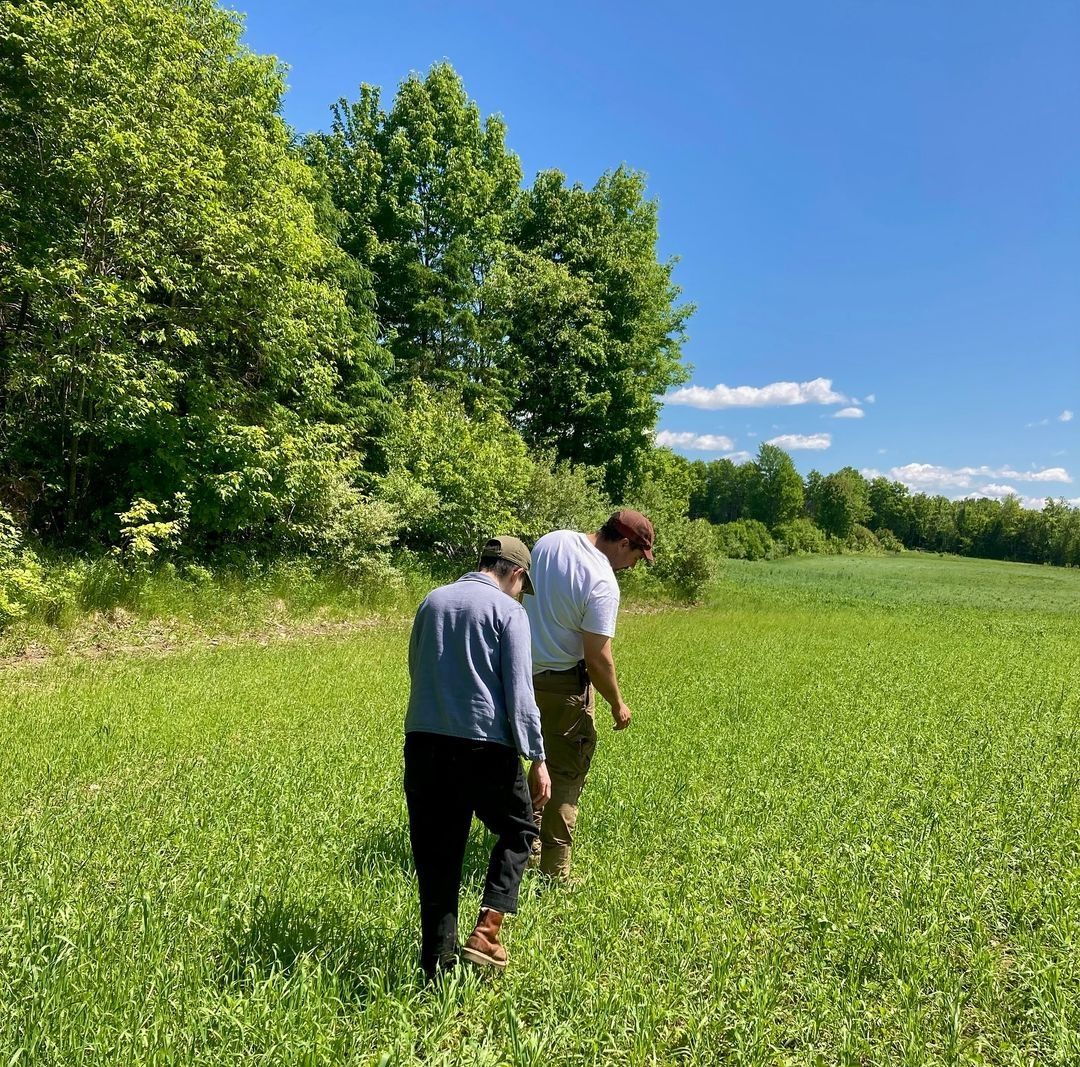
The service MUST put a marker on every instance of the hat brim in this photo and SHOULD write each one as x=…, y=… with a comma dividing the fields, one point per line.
x=649, y=555
x=527, y=586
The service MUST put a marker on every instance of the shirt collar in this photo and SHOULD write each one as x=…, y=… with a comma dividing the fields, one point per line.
x=473, y=576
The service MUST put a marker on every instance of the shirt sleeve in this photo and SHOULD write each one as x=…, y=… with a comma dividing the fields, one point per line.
x=601, y=609
x=517, y=682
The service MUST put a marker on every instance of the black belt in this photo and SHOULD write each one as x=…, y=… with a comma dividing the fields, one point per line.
x=578, y=668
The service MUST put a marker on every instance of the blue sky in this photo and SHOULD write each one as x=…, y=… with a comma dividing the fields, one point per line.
x=875, y=205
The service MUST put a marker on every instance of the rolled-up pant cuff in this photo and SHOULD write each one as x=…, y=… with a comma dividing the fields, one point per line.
x=501, y=902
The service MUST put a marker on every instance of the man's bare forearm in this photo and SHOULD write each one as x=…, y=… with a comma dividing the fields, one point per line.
x=601, y=666
x=602, y=674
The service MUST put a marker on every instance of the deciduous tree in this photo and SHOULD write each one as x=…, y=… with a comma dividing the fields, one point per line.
x=596, y=322
x=172, y=311
x=841, y=502
x=776, y=489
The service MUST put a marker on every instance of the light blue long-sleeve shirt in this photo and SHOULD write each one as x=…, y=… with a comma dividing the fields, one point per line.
x=470, y=662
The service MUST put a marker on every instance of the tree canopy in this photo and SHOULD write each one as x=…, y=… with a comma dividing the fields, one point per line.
x=217, y=338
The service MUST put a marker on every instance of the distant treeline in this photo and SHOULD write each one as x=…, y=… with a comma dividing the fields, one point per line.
x=848, y=508
x=222, y=342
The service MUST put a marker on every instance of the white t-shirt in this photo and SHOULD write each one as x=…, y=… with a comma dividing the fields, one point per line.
x=575, y=590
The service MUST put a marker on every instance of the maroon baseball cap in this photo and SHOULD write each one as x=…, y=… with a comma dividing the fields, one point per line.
x=636, y=528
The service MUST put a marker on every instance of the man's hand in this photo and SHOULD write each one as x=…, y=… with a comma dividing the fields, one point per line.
x=621, y=714
x=539, y=784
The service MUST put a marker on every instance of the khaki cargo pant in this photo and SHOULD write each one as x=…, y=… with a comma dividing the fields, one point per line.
x=567, y=704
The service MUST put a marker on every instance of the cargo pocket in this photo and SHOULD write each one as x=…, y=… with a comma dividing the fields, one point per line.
x=580, y=736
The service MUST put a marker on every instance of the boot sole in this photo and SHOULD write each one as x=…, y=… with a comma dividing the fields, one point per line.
x=481, y=959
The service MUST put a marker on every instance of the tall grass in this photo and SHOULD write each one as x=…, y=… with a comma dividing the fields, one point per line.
x=842, y=828
x=103, y=603
x=102, y=600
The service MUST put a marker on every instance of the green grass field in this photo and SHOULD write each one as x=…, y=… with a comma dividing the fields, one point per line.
x=844, y=827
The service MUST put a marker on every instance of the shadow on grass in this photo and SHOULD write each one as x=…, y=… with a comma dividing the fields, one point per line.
x=284, y=938
x=387, y=847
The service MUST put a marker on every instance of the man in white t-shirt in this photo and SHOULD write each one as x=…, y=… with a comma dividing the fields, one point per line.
x=572, y=618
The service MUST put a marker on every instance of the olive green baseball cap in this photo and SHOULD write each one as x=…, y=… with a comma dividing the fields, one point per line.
x=513, y=550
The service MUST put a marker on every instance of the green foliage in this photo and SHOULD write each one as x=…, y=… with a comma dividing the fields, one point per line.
x=800, y=537
x=107, y=583
x=453, y=478
x=1058, y=534
x=426, y=192
x=560, y=497
x=933, y=523
x=549, y=303
x=594, y=321
x=686, y=557
x=145, y=529
x=721, y=490
x=841, y=501
x=744, y=539
x=888, y=541
x=890, y=506
x=21, y=581
x=861, y=539
x=775, y=487
x=174, y=291
x=662, y=487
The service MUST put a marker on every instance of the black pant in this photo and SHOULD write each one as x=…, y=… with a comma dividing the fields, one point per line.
x=447, y=779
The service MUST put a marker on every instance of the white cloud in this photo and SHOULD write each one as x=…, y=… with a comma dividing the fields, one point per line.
x=849, y=413
x=870, y=473
x=928, y=476
x=739, y=458
x=1065, y=416
x=998, y=491
x=871, y=399
x=697, y=442
x=920, y=475
x=794, y=442
x=778, y=394
x=1050, y=474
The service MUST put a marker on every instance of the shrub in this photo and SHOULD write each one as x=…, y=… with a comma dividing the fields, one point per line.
x=453, y=479
x=560, y=496
x=353, y=533
x=860, y=539
x=21, y=579
x=744, y=539
x=889, y=541
x=146, y=529
x=686, y=557
x=800, y=536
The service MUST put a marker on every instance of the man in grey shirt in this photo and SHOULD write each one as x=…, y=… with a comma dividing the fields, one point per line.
x=472, y=715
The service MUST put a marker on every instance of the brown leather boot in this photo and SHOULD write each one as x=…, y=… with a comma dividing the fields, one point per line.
x=482, y=947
